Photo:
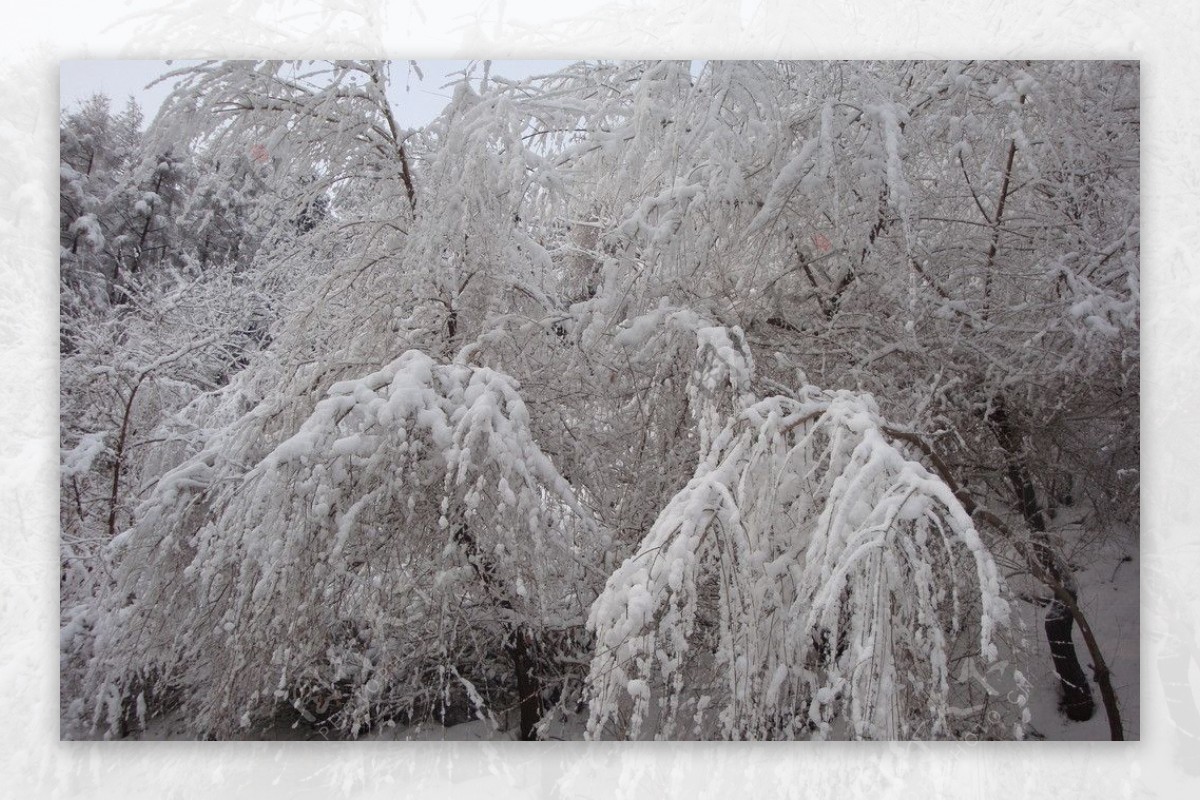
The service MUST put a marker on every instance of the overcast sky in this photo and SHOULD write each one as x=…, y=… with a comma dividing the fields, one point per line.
x=416, y=100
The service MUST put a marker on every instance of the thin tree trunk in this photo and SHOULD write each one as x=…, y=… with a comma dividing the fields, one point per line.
x=1076, y=694
x=523, y=649
x=521, y=643
x=119, y=459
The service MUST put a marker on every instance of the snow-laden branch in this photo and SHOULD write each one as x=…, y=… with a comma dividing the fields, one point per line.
x=411, y=502
x=810, y=580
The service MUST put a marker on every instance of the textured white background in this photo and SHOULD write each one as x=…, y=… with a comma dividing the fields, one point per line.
x=34, y=763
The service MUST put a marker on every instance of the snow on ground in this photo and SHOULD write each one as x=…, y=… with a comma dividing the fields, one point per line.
x=174, y=726
x=1108, y=574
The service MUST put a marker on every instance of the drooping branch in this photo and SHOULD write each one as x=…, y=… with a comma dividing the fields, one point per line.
x=1043, y=563
x=769, y=588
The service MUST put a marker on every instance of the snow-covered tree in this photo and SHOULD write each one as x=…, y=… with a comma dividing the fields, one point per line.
x=96, y=150
x=402, y=540
x=811, y=580
x=526, y=418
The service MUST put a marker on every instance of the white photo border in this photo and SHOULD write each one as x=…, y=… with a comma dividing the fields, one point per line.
x=34, y=763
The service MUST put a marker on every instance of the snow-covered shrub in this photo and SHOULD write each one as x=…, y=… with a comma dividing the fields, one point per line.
x=810, y=581
x=392, y=544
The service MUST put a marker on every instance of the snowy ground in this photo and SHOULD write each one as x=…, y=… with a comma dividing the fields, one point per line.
x=1110, y=599
x=174, y=727
x=1108, y=574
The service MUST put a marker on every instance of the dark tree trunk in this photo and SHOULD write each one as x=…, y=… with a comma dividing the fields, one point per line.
x=1076, y=699
x=523, y=649
x=521, y=644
